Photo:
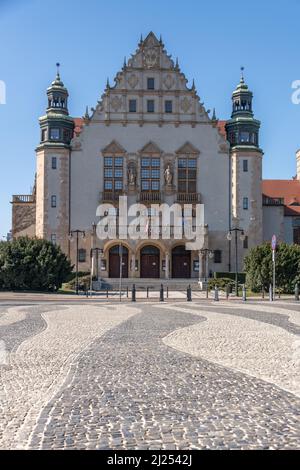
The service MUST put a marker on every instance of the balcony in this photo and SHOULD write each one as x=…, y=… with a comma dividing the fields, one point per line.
x=110, y=196
x=23, y=198
x=150, y=196
x=273, y=201
x=188, y=198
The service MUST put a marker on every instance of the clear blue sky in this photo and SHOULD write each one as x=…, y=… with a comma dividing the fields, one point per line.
x=90, y=39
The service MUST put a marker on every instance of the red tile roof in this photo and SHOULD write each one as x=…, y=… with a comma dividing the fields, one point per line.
x=288, y=190
x=78, y=125
x=221, y=127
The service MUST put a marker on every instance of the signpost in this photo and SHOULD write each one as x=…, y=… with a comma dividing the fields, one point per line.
x=273, y=245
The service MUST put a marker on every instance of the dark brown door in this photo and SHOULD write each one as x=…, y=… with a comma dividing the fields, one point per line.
x=114, y=262
x=181, y=263
x=150, y=262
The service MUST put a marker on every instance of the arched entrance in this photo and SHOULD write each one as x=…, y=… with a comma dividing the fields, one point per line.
x=150, y=262
x=181, y=262
x=114, y=261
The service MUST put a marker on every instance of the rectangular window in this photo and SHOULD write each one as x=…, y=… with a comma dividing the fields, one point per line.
x=44, y=134
x=150, y=106
x=113, y=174
x=245, y=165
x=132, y=106
x=187, y=175
x=53, y=201
x=150, y=174
x=53, y=238
x=54, y=134
x=168, y=106
x=54, y=163
x=296, y=233
x=150, y=83
x=81, y=255
x=217, y=256
x=245, y=203
x=245, y=243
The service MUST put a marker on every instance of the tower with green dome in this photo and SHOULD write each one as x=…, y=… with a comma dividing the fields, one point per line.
x=246, y=166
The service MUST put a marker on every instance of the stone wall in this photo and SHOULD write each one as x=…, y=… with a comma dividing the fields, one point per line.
x=23, y=219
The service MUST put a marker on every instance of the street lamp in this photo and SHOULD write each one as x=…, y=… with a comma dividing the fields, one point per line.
x=207, y=253
x=71, y=238
x=242, y=238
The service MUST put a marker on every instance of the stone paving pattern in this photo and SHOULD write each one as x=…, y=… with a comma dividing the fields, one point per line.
x=121, y=387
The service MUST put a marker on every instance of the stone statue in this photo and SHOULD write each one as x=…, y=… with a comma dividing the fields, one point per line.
x=131, y=177
x=168, y=176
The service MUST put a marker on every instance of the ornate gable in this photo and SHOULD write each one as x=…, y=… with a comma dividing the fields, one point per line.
x=114, y=148
x=151, y=148
x=188, y=149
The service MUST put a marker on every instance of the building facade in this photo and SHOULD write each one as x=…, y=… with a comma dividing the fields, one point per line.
x=150, y=138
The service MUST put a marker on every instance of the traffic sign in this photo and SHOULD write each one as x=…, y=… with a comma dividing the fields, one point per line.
x=273, y=242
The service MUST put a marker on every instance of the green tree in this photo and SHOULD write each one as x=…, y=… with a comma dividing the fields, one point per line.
x=32, y=264
x=259, y=267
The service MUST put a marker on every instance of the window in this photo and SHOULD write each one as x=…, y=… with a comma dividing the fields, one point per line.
x=150, y=83
x=53, y=238
x=132, y=106
x=245, y=165
x=296, y=233
x=245, y=243
x=44, y=134
x=150, y=106
x=113, y=174
x=54, y=133
x=53, y=201
x=150, y=174
x=187, y=175
x=217, y=256
x=54, y=163
x=168, y=106
x=245, y=203
x=81, y=255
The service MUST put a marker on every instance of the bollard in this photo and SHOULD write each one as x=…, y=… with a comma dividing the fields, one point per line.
x=227, y=291
x=161, y=293
x=263, y=292
x=270, y=293
x=296, y=292
x=167, y=292
x=216, y=297
x=147, y=292
x=107, y=292
x=133, y=294
x=207, y=291
x=244, y=293
x=127, y=292
x=189, y=294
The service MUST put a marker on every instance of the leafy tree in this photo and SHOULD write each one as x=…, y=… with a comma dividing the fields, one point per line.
x=32, y=264
x=259, y=267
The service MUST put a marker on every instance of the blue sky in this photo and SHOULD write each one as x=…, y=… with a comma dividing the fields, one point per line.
x=90, y=40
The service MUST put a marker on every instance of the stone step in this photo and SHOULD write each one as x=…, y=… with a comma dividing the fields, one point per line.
x=154, y=284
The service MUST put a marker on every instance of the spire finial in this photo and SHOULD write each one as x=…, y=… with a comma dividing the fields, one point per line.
x=214, y=118
x=242, y=73
x=87, y=116
x=107, y=83
x=57, y=69
x=141, y=40
x=124, y=63
x=193, y=85
x=160, y=39
x=177, y=64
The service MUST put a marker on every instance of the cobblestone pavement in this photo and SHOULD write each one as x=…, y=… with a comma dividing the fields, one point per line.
x=129, y=390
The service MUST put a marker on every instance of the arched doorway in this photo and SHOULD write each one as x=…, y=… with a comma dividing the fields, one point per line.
x=150, y=262
x=181, y=262
x=114, y=261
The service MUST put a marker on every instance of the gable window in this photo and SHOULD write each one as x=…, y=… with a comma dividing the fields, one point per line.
x=168, y=106
x=113, y=174
x=54, y=163
x=245, y=165
x=150, y=106
x=132, y=106
x=82, y=255
x=217, y=256
x=187, y=175
x=53, y=201
x=150, y=83
x=245, y=203
x=150, y=174
x=53, y=238
x=54, y=133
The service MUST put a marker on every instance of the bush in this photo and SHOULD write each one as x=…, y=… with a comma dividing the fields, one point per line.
x=221, y=283
x=259, y=267
x=32, y=264
x=83, y=283
x=241, y=276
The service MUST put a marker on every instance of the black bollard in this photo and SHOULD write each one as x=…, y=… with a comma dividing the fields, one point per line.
x=133, y=294
x=189, y=294
x=167, y=292
x=207, y=291
x=296, y=292
x=147, y=292
x=161, y=293
x=263, y=292
x=216, y=297
x=127, y=292
x=244, y=293
x=107, y=292
x=227, y=291
x=270, y=293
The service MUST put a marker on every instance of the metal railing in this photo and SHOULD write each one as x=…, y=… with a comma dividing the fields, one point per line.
x=188, y=197
x=273, y=201
x=149, y=196
x=23, y=198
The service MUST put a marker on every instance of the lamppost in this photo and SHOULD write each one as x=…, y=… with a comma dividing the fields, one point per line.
x=71, y=238
x=242, y=238
x=97, y=251
x=207, y=253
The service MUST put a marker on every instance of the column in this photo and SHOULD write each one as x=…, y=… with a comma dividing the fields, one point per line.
x=201, y=273
x=167, y=265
